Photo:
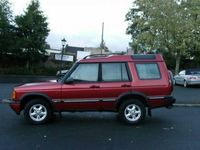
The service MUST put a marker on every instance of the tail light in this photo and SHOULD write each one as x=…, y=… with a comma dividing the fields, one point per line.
x=192, y=78
x=171, y=82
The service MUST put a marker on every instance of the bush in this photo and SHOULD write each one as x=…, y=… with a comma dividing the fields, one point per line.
x=17, y=66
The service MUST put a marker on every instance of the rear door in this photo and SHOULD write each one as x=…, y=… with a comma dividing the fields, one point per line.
x=115, y=80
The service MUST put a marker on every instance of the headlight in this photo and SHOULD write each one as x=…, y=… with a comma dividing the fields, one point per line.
x=14, y=94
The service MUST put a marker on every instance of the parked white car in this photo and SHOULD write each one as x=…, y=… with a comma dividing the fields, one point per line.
x=188, y=77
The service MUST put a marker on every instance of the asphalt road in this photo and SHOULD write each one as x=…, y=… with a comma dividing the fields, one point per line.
x=189, y=95
x=176, y=128
x=173, y=129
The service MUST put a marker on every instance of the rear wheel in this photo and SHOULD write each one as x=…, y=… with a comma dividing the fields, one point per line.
x=38, y=111
x=132, y=112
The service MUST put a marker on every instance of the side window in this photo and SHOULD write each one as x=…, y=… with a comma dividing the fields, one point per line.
x=148, y=71
x=86, y=72
x=114, y=72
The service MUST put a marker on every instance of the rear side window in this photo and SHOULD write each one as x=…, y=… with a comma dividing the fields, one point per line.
x=148, y=71
x=114, y=72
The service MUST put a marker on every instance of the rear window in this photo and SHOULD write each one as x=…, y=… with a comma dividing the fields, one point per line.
x=192, y=72
x=148, y=71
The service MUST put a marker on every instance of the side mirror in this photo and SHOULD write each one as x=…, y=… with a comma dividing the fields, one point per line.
x=69, y=80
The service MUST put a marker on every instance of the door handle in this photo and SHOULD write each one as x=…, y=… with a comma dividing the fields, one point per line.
x=94, y=86
x=125, y=85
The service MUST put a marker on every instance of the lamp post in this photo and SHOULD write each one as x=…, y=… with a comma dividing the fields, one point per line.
x=63, y=41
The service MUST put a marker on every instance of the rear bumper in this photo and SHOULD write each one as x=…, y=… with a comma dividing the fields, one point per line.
x=15, y=105
x=155, y=102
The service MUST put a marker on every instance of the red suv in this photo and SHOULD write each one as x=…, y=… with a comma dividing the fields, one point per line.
x=127, y=84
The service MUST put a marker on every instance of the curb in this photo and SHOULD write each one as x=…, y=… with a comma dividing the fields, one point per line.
x=186, y=105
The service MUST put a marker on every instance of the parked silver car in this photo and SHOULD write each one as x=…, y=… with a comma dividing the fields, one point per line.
x=188, y=77
x=61, y=73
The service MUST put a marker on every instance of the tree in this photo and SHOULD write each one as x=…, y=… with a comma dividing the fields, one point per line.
x=6, y=28
x=32, y=30
x=170, y=26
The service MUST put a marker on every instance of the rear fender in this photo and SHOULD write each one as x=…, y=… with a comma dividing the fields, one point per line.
x=131, y=95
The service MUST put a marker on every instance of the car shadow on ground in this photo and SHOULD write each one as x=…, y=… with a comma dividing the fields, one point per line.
x=89, y=119
x=190, y=86
x=97, y=119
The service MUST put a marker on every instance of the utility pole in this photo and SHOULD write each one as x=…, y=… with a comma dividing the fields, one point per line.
x=102, y=41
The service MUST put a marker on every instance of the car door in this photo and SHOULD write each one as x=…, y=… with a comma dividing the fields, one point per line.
x=178, y=77
x=81, y=93
x=115, y=80
x=181, y=77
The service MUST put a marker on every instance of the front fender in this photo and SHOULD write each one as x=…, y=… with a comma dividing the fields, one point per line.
x=24, y=99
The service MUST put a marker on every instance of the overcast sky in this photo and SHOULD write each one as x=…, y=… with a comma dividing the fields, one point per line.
x=79, y=21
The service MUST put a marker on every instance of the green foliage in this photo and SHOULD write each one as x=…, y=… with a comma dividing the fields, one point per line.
x=166, y=26
x=32, y=30
x=22, y=39
x=6, y=28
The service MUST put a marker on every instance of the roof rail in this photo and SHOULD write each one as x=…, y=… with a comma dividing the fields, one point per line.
x=102, y=55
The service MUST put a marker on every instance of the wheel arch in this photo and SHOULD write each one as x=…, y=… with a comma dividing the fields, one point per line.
x=131, y=95
x=30, y=96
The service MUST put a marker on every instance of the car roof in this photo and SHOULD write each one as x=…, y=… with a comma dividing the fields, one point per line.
x=122, y=58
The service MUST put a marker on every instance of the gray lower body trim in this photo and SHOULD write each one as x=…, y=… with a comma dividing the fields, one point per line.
x=82, y=100
x=156, y=97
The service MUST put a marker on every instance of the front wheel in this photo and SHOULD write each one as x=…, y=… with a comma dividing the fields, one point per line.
x=37, y=111
x=185, y=84
x=132, y=112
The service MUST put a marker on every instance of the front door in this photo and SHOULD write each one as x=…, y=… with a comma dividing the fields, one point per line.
x=82, y=92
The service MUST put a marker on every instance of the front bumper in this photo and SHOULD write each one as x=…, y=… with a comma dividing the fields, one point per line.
x=15, y=105
x=190, y=82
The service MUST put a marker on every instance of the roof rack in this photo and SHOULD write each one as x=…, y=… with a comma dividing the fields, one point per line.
x=101, y=55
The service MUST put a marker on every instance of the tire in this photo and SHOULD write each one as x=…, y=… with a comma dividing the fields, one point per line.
x=174, y=82
x=132, y=112
x=37, y=111
x=185, y=84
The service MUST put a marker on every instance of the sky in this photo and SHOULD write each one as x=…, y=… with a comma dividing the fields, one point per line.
x=80, y=21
